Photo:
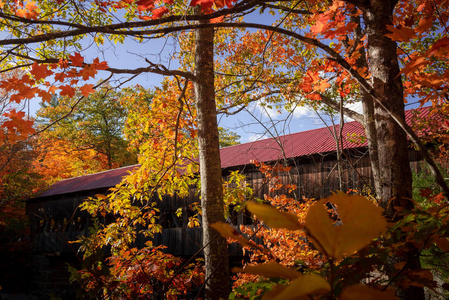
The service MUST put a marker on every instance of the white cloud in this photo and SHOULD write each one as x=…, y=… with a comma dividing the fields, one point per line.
x=273, y=112
x=355, y=106
x=255, y=137
x=303, y=111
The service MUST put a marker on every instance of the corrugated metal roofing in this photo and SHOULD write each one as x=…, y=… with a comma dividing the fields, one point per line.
x=95, y=181
x=294, y=145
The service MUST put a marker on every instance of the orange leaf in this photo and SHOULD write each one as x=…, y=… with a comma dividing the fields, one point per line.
x=32, y=10
x=301, y=287
x=45, y=96
x=440, y=44
x=414, y=65
x=40, y=71
x=228, y=231
x=424, y=24
x=403, y=34
x=87, y=89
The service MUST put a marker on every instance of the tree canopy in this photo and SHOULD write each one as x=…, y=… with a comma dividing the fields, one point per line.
x=229, y=54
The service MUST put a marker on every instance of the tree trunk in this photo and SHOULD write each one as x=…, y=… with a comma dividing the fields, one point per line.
x=394, y=167
x=368, y=117
x=216, y=250
x=395, y=186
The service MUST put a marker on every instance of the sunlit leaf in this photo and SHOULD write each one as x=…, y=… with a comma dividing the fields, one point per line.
x=273, y=217
x=228, y=231
x=302, y=286
x=361, y=222
x=270, y=269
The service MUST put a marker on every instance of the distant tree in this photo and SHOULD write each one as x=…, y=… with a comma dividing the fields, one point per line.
x=90, y=131
x=228, y=137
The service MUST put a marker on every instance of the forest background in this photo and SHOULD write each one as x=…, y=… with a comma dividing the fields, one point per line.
x=321, y=54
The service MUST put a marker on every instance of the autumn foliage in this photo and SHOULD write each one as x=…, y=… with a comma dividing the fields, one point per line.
x=315, y=53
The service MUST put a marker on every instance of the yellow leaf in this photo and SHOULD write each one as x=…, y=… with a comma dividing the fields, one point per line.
x=228, y=231
x=273, y=217
x=270, y=269
x=301, y=287
x=359, y=291
x=361, y=222
x=101, y=196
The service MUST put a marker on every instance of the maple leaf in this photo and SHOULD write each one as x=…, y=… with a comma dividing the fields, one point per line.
x=216, y=20
x=32, y=8
x=40, y=71
x=67, y=90
x=21, y=13
x=16, y=98
x=206, y=5
x=319, y=26
x=414, y=65
x=77, y=59
x=356, y=230
x=402, y=34
x=87, y=89
x=45, y=96
x=145, y=5
x=100, y=65
x=159, y=12
x=440, y=44
x=29, y=12
x=424, y=24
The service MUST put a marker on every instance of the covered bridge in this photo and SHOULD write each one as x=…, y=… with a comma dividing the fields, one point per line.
x=55, y=219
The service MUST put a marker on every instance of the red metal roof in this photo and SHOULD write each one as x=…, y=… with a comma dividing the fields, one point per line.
x=95, y=181
x=295, y=145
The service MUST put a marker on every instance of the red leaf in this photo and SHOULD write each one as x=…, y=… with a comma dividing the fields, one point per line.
x=159, y=12
x=403, y=34
x=77, y=59
x=40, y=71
x=206, y=5
x=425, y=192
x=67, y=90
x=45, y=96
x=145, y=4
